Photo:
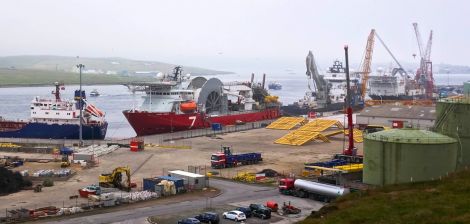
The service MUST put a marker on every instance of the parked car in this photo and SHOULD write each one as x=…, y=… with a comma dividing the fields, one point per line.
x=208, y=217
x=234, y=215
x=189, y=221
x=245, y=210
x=260, y=211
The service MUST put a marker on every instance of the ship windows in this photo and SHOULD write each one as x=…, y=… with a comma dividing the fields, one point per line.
x=47, y=112
x=57, y=113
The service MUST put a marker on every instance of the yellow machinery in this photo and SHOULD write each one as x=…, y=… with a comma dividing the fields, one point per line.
x=65, y=161
x=114, y=179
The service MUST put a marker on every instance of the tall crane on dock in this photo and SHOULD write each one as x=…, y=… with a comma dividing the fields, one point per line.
x=424, y=74
x=365, y=65
x=367, y=61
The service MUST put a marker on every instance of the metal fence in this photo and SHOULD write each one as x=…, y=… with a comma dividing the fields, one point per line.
x=155, y=139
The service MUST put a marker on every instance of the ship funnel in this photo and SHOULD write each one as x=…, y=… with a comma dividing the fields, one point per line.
x=264, y=80
x=252, y=79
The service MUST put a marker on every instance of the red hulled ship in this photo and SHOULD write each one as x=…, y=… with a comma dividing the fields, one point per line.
x=177, y=103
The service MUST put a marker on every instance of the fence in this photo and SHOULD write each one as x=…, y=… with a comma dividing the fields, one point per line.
x=153, y=139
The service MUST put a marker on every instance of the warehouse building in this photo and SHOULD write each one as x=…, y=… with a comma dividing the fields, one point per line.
x=398, y=116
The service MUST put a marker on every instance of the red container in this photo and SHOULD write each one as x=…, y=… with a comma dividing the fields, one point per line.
x=272, y=205
x=136, y=144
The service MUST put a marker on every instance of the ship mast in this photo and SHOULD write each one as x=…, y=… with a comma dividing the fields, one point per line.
x=80, y=134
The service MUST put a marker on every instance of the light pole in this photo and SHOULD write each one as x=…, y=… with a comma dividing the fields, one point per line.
x=80, y=106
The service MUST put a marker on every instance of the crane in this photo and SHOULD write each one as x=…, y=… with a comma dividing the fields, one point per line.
x=365, y=66
x=366, y=63
x=318, y=81
x=424, y=74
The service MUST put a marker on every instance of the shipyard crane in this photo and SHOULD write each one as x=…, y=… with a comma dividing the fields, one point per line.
x=367, y=61
x=424, y=74
x=365, y=66
x=318, y=81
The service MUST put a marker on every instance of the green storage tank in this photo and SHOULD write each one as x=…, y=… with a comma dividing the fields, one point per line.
x=466, y=88
x=453, y=119
x=407, y=155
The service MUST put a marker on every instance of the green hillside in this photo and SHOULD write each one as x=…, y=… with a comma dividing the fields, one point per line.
x=118, y=65
x=43, y=77
x=445, y=201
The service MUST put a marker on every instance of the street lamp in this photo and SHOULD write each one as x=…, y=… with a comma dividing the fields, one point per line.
x=80, y=134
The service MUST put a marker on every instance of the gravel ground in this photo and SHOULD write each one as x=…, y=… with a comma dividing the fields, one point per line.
x=281, y=158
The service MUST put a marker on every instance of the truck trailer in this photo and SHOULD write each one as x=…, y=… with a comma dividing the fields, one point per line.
x=309, y=189
x=225, y=158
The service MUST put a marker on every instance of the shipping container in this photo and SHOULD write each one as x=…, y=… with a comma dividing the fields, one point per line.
x=216, y=126
x=83, y=156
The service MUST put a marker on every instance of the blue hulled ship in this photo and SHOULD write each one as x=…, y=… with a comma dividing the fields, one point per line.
x=58, y=119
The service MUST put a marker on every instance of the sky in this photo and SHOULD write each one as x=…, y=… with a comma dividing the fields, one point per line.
x=227, y=34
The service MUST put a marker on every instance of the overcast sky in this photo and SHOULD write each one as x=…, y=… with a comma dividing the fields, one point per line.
x=224, y=34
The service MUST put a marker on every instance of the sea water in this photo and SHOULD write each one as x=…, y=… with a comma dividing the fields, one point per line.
x=15, y=101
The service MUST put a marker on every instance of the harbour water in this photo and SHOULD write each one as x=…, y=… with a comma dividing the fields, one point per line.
x=14, y=101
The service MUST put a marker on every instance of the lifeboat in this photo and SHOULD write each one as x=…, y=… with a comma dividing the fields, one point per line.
x=189, y=106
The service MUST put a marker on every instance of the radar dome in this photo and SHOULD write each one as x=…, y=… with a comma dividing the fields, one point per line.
x=160, y=75
x=188, y=76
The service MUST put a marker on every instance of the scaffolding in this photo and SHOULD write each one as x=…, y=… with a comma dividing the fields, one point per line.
x=357, y=135
x=287, y=123
x=311, y=132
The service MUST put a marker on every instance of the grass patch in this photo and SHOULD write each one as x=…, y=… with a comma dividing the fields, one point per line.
x=445, y=201
x=42, y=77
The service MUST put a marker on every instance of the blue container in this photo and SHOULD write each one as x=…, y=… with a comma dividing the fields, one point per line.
x=66, y=151
x=216, y=126
x=149, y=184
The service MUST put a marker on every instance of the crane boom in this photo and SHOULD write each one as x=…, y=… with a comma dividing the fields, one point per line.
x=320, y=84
x=365, y=67
x=427, y=55
x=418, y=38
x=390, y=52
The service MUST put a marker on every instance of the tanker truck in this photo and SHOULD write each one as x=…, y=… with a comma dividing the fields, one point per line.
x=309, y=189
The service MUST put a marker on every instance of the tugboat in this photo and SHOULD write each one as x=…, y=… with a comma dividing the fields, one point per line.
x=177, y=103
x=58, y=119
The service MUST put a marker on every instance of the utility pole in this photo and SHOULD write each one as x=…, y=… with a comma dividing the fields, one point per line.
x=80, y=67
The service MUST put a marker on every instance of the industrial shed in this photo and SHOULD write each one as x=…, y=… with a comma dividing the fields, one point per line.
x=191, y=180
x=398, y=116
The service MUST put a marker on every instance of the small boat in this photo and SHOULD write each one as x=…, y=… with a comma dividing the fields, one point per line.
x=94, y=93
x=275, y=86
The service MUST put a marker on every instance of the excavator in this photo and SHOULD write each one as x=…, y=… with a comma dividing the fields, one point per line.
x=114, y=179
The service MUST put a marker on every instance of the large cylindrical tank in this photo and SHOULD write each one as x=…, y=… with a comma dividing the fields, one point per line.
x=452, y=120
x=407, y=155
x=321, y=189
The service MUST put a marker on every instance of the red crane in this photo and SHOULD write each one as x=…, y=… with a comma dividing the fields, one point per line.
x=424, y=74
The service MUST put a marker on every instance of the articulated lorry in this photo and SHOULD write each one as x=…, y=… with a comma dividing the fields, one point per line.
x=225, y=158
x=309, y=189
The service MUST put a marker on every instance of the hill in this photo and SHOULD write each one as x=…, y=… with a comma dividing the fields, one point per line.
x=444, y=201
x=29, y=77
x=121, y=66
